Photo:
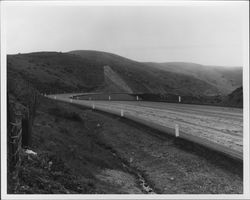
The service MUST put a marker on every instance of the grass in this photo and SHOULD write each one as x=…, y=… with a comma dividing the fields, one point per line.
x=80, y=150
x=70, y=141
x=83, y=71
x=64, y=114
x=47, y=173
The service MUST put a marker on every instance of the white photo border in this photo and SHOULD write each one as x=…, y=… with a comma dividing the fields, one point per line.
x=245, y=9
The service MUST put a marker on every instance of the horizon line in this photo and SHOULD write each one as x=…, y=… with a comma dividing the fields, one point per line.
x=100, y=51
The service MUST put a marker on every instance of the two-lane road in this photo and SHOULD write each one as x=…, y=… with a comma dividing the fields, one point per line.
x=219, y=128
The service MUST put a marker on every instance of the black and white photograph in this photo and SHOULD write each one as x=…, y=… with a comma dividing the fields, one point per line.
x=125, y=100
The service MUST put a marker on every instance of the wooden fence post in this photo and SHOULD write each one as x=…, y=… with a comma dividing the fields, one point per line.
x=14, y=139
x=26, y=130
x=9, y=146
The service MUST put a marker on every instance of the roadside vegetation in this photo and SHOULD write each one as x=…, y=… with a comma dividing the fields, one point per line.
x=85, y=152
x=69, y=154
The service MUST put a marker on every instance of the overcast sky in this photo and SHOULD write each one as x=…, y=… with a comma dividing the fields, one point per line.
x=209, y=35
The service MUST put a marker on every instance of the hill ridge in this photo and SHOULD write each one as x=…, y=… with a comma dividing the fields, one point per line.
x=83, y=71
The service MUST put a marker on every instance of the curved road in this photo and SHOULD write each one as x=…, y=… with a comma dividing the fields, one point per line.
x=218, y=128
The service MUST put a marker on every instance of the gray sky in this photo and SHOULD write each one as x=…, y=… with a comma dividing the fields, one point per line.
x=202, y=34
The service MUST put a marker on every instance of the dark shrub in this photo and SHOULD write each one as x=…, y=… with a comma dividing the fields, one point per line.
x=64, y=114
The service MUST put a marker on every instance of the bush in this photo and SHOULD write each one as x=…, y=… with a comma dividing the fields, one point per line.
x=64, y=114
x=74, y=116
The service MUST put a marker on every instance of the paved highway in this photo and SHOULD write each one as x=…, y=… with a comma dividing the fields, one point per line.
x=218, y=128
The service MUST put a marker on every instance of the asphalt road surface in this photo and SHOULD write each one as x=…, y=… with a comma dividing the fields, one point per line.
x=218, y=128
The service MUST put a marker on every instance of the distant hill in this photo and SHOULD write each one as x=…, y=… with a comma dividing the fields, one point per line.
x=226, y=79
x=55, y=72
x=93, y=71
x=142, y=78
x=235, y=98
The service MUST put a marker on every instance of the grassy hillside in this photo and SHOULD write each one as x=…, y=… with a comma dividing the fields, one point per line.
x=235, y=98
x=55, y=72
x=142, y=78
x=85, y=71
x=226, y=79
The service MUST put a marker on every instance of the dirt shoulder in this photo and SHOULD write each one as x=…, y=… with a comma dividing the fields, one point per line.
x=172, y=166
x=111, y=155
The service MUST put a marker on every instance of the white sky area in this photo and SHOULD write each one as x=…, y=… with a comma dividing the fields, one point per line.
x=210, y=35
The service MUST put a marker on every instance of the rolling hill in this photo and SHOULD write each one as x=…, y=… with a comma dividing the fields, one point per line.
x=226, y=79
x=93, y=71
x=142, y=78
x=235, y=98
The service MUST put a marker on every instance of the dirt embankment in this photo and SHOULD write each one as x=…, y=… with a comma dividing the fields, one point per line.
x=107, y=154
x=71, y=156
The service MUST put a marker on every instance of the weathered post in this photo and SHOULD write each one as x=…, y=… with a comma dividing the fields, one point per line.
x=10, y=150
x=177, y=130
x=26, y=130
x=13, y=147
